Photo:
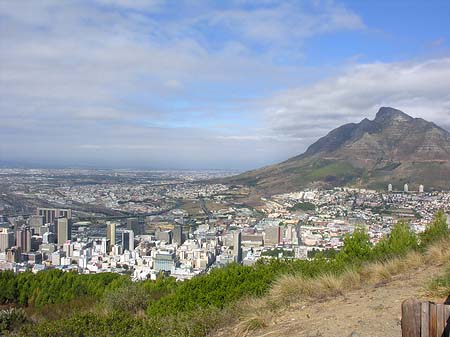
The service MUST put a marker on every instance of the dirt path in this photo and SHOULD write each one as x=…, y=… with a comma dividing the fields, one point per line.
x=370, y=312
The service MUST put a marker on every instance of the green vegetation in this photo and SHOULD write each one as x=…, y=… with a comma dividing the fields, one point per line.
x=11, y=319
x=437, y=229
x=303, y=206
x=196, y=307
x=335, y=171
x=276, y=253
x=54, y=286
x=440, y=287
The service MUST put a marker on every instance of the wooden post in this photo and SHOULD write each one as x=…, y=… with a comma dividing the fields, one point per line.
x=433, y=320
x=411, y=316
x=440, y=326
x=425, y=320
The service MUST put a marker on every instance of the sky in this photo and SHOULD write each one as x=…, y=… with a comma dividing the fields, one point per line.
x=193, y=84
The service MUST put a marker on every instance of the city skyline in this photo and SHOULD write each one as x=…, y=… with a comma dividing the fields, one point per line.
x=211, y=85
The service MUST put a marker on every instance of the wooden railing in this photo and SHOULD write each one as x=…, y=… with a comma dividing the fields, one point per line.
x=425, y=319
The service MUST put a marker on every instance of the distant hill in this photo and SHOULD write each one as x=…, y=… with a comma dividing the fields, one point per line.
x=393, y=148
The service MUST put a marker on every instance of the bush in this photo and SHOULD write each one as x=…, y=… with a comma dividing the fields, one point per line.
x=357, y=247
x=11, y=319
x=401, y=240
x=436, y=230
x=131, y=298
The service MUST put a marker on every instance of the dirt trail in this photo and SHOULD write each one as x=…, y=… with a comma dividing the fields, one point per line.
x=371, y=312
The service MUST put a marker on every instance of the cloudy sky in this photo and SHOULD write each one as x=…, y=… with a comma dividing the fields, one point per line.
x=209, y=84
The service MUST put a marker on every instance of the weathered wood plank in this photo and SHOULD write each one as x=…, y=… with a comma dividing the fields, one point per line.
x=433, y=320
x=425, y=319
x=411, y=310
x=440, y=322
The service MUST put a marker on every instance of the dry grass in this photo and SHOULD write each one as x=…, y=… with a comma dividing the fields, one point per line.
x=375, y=273
x=439, y=253
x=297, y=289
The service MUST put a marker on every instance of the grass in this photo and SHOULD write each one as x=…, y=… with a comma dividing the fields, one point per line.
x=439, y=287
x=294, y=290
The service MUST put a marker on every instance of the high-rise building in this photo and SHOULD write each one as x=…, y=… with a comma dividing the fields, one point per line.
x=164, y=261
x=177, y=234
x=421, y=189
x=390, y=188
x=51, y=214
x=406, y=188
x=111, y=233
x=6, y=239
x=48, y=237
x=237, y=246
x=134, y=225
x=272, y=235
x=128, y=240
x=165, y=236
x=23, y=239
x=64, y=230
x=36, y=221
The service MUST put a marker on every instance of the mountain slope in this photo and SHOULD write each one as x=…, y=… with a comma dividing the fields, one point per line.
x=393, y=148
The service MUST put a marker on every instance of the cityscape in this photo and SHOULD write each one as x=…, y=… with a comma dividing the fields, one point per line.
x=238, y=168
x=143, y=224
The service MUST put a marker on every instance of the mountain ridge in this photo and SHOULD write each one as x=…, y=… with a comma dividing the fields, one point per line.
x=392, y=148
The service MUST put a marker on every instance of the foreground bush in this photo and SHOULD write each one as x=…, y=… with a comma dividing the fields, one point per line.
x=10, y=319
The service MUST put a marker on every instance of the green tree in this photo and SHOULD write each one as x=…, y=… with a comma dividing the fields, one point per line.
x=436, y=230
x=401, y=240
x=357, y=247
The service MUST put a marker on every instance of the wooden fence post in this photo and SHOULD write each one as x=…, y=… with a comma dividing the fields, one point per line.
x=411, y=312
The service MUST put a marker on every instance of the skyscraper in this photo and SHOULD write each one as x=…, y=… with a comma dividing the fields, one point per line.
x=421, y=189
x=6, y=239
x=64, y=230
x=237, y=247
x=134, y=225
x=390, y=188
x=36, y=221
x=406, y=188
x=111, y=233
x=23, y=239
x=50, y=214
x=177, y=234
x=128, y=240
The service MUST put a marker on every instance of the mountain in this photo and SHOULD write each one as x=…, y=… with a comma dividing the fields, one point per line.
x=393, y=148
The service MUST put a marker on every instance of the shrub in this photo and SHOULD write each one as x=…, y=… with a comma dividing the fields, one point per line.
x=400, y=241
x=10, y=319
x=131, y=297
x=435, y=230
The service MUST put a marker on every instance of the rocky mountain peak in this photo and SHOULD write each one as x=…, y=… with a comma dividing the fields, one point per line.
x=388, y=114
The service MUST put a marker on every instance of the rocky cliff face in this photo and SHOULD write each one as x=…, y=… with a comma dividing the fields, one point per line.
x=393, y=148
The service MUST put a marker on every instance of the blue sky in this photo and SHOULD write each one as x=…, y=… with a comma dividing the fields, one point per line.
x=209, y=84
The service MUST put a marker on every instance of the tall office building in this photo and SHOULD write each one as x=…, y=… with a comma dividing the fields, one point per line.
x=36, y=221
x=177, y=234
x=272, y=235
x=6, y=239
x=64, y=230
x=128, y=240
x=406, y=188
x=23, y=239
x=237, y=246
x=111, y=233
x=134, y=225
x=51, y=214
x=390, y=188
x=421, y=189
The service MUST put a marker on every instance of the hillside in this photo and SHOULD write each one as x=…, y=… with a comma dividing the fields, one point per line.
x=371, y=312
x=392, y=148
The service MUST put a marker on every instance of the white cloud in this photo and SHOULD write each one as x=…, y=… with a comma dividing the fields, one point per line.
x=417, y=88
